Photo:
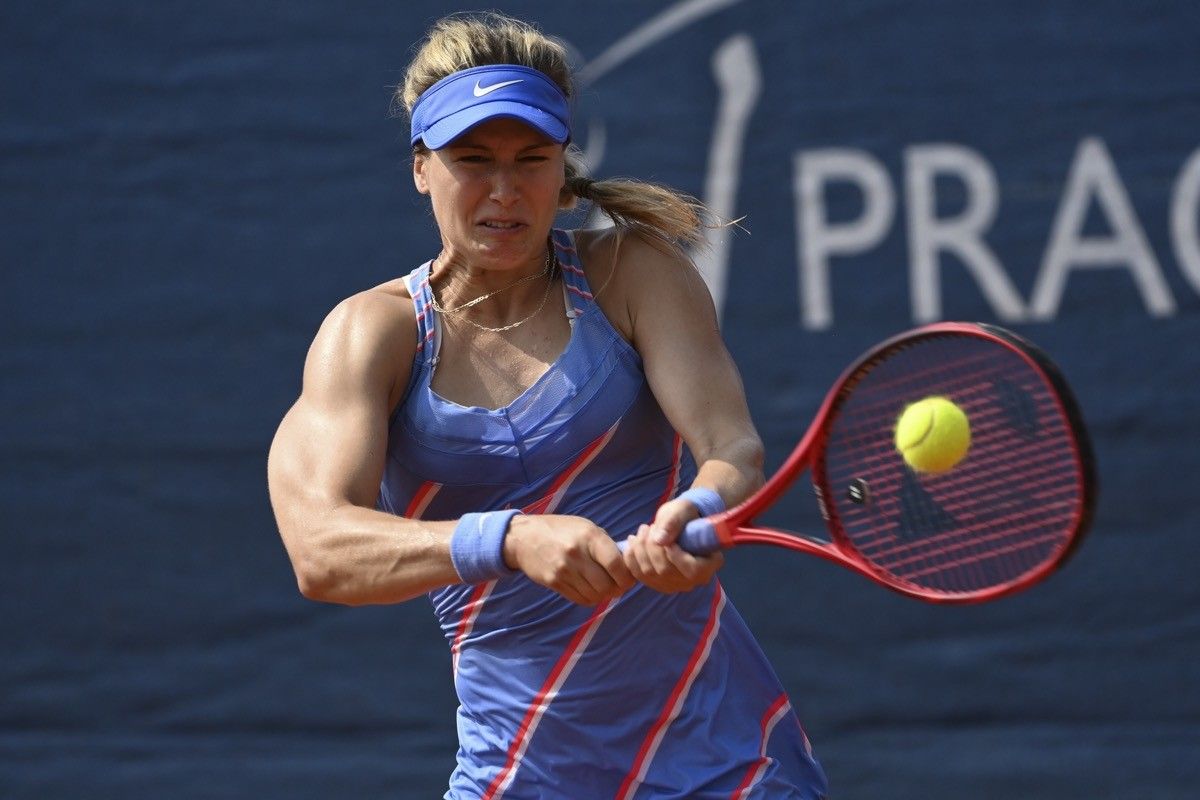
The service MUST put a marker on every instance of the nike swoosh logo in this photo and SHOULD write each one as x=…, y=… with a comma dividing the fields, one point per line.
x=480, y=91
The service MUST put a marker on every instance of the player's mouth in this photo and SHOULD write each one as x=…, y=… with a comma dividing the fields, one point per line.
x=501, y=225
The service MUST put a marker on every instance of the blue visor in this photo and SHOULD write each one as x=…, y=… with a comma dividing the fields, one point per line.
x=460, y=101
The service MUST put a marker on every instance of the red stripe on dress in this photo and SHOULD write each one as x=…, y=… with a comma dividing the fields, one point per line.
x=580, y=292
x=674, y=704
x=546, y=505
x=550, y=502
x=466, y=625
x=416, y=507
x=415, y=291
x=673, y=478
x=421, y=500
x=428, y=337
x=775, y=712
x=545, y=696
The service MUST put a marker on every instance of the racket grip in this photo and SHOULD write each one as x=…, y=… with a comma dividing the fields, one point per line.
x=699, y=538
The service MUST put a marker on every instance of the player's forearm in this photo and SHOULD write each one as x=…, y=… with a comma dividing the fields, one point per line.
x=359, y=556
x=734, y=469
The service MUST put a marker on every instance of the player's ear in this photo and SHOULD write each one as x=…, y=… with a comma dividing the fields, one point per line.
x=420, y=179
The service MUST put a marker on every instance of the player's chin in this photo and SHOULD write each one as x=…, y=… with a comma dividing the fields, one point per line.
x=505, y=255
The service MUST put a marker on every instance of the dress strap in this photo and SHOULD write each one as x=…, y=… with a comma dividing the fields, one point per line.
x=428, y=333
x=575, y=285
x=428, y=324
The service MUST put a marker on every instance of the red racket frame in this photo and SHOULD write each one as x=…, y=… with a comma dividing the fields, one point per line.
x=731, y=526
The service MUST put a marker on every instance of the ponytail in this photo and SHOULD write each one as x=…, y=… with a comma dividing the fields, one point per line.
x=663, y=213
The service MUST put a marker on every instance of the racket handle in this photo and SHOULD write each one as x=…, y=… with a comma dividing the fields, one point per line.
x=699, y=538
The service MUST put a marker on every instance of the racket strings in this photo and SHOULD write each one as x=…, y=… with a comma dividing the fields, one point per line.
x=1008, y=508
x=995, y=488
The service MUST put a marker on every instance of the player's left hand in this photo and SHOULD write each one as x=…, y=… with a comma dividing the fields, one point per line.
x=656, y=560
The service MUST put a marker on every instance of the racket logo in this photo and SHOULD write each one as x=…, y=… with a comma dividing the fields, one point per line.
x=858, y=492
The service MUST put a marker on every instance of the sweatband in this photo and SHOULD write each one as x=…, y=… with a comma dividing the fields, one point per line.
x=477, y=546
x=706, y=501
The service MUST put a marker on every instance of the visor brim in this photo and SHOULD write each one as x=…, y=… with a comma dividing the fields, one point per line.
x=449, y=128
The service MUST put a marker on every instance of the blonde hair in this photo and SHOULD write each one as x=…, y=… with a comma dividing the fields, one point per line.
x=463, y=41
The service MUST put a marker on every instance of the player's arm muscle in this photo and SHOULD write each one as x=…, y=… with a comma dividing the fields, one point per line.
x=658, y=300
x=327, y=460
x=674, y=328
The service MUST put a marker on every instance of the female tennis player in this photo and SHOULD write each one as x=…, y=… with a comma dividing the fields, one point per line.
x=484, y=429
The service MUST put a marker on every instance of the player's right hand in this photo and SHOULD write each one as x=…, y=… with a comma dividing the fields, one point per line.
x=569, y=555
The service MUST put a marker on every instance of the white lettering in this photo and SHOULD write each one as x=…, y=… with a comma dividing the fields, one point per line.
x=1093, y=174
x=739, y=82
x=961, y=235
x=1185, y=218
x=819, y=238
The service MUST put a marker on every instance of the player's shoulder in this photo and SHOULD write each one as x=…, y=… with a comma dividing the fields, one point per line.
x=637, y=270
x=382, y=311
x=368, y=337
x=628, y=250
x=631, y=272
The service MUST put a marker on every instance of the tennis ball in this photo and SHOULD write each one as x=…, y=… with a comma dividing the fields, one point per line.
x=933, y=435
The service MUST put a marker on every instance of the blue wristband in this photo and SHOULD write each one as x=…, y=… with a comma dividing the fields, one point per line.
x=706, y=501
x=477, y=546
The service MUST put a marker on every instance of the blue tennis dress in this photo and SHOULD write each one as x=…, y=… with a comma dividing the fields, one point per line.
x=647, y=696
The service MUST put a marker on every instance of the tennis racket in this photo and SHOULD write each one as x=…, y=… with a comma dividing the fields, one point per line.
x=1002, y=519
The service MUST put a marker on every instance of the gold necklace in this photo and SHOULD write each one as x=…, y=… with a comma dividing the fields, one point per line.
x=438, y=307
x=548, y=272
x=509, y=327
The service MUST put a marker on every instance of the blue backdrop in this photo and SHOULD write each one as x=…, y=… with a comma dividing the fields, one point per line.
x=186, y=189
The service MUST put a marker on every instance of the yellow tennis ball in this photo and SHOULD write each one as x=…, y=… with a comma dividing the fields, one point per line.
x=933, y=435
